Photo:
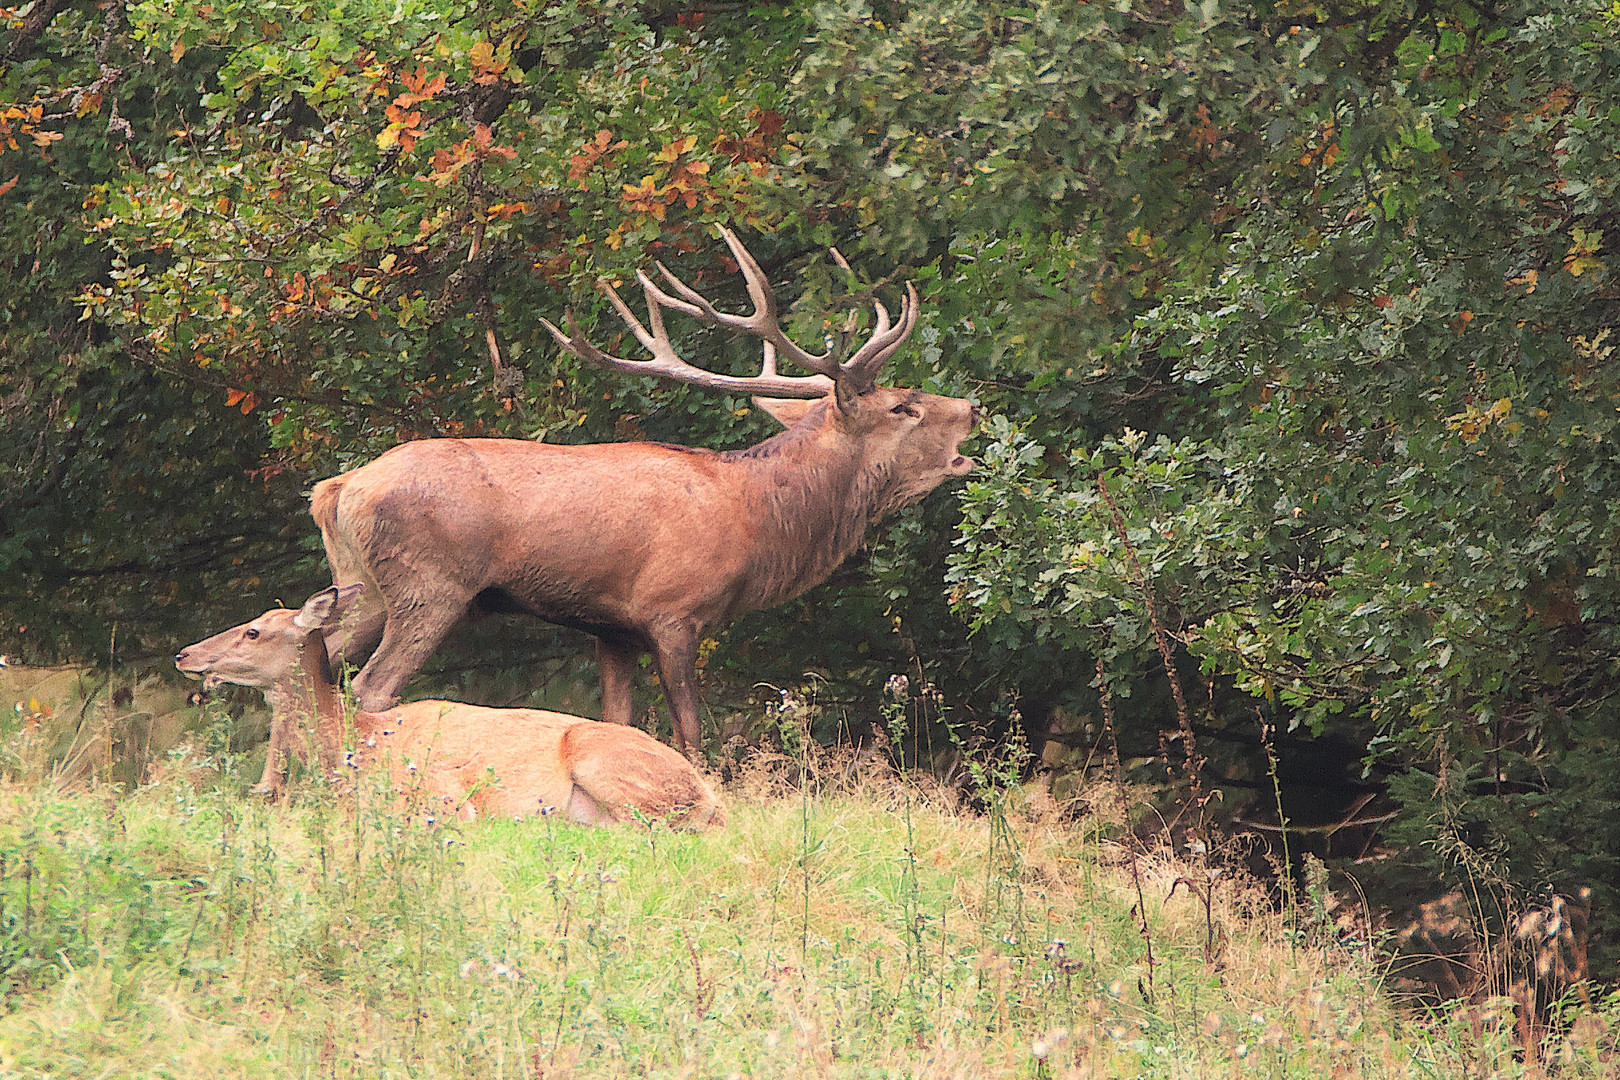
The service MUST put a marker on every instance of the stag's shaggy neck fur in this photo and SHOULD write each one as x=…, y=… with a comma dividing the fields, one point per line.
x=814, y=502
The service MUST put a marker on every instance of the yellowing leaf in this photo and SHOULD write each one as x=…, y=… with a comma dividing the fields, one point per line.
x=177, y=51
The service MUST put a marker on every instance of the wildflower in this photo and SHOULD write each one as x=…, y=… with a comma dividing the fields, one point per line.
x=349, y=759
x=547, y=811
x=1056, y=949
x=410, y=766
x=1045, y=1044
x=371, y=740
x=468, y=967
x=897, y=686
x=501, y=971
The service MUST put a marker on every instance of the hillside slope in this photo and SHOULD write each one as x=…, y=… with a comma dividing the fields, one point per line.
x=859, y=933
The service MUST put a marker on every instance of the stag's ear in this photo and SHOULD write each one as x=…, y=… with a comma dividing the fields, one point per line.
x=787, y=411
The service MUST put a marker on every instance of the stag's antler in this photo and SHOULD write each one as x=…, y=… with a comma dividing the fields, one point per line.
x=850, y=377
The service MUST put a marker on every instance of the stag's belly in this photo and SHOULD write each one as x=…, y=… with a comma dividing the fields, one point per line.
x=563, y=609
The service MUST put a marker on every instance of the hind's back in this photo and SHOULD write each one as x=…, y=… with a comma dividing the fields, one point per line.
x=509, y=760
x=518, y=762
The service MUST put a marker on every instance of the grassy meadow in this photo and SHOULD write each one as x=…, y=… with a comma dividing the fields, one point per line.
x=848, y=921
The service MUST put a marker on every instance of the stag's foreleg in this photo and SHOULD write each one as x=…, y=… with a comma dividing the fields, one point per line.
x=675, y=647
x=356, y=632
x=413, y=631
x=616, y=660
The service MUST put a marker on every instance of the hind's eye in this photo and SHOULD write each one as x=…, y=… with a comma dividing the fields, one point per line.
x=252, y=633
x=904, y=409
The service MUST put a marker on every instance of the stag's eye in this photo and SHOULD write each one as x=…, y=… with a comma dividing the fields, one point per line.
x=906, y=409
x=252, y=633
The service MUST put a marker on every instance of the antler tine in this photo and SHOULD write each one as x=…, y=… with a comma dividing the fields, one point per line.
x=884, y=340
x=666, y=363
x=700, y=308
x=759, y=288
x=656, y=342
x=762, y=323
x=855, y=374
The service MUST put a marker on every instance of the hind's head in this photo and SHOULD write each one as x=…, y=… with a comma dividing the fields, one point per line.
x=265, y=651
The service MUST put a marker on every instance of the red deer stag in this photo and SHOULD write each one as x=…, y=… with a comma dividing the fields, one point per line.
x=465, y=758
x=643, y=545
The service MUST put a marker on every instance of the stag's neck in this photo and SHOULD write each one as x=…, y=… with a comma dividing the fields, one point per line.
x=311, y=691
x=813, y=500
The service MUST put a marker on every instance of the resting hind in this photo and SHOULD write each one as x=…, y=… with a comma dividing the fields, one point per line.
x=471, y=758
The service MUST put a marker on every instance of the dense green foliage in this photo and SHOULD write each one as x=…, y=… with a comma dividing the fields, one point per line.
x=1319, y=293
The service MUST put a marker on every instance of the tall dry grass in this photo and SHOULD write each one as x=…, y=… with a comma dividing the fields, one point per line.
x=850, y=921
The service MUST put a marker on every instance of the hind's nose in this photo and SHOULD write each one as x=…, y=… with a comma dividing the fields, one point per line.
x=976, y=414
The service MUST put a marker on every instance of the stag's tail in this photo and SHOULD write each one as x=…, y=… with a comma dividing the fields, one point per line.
x=346, y=558
x=361, y=629
x=622, y=767
x=323, y=502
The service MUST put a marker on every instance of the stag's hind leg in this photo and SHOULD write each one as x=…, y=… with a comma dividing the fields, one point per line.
x=413, y=631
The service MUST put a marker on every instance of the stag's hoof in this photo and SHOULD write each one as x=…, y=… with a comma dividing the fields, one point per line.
x=372, y=701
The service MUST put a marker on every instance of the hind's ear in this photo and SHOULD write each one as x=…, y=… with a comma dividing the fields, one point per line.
x=318, y=609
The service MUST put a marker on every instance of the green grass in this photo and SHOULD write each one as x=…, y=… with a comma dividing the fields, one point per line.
x=181, y=932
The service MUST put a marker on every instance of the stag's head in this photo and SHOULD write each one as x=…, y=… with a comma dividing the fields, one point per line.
x=266, y=651
x=914, y=437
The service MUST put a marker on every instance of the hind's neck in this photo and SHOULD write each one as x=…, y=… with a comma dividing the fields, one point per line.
x=312, y=692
